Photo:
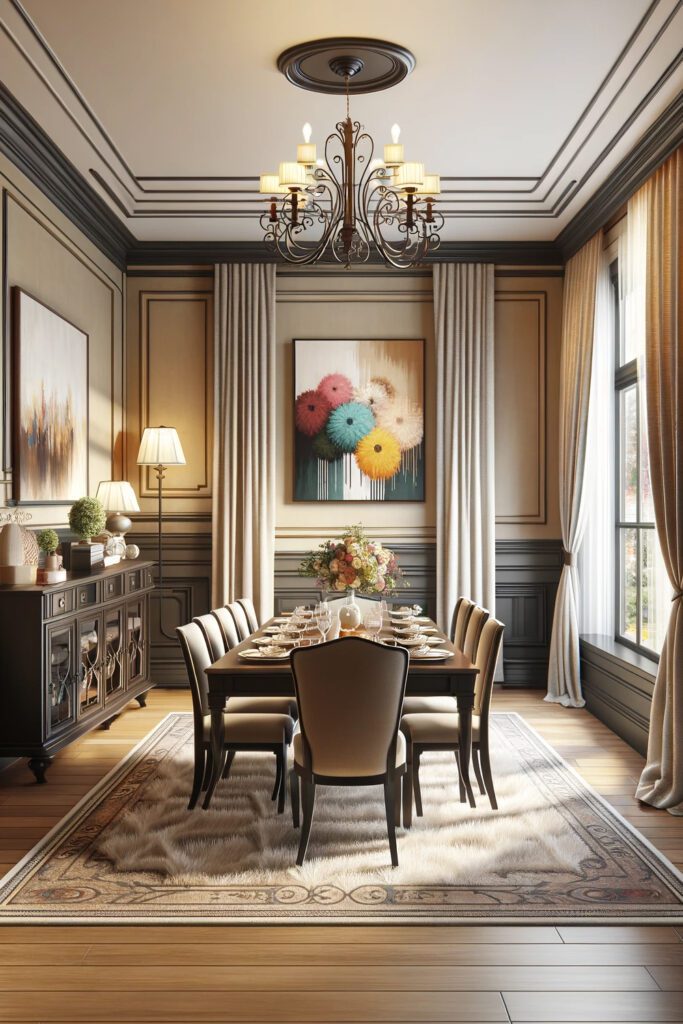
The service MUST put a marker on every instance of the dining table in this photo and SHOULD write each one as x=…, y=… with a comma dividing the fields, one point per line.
x=232, y=675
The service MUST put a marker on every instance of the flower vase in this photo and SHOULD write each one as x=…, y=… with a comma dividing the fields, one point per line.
x=349, y=613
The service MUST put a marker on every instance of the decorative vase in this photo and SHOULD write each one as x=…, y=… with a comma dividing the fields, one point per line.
x=349, y=613
x=51, y=562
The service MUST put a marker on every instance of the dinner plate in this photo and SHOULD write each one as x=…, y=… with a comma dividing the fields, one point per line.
x=423, y=629
x=411, y=641
x=264, y=641
x=432, y=656
x=255, y=655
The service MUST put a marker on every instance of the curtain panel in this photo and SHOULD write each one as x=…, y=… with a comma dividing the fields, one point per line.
x=465, y=455
x=661, y=783
x=243, y=557
x=576, y=370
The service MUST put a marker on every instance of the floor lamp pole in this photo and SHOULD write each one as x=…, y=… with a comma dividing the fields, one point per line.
x=160, y=471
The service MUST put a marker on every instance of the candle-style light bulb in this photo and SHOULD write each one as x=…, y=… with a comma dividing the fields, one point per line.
x=305, y=151
x=393, y=153
x=395, y=133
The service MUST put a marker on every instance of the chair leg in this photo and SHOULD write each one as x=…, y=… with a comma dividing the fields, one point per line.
x=488, y=777
x=398, y=786
x=477, y=770
x=199, y=772
x=408, y=787
x=278, y=775
x=463, y=795
x=208, y=768
x=215, y=779
x=416, y=783
x=228, y=763
x=282, y=758
x=308, y=801
x=391, y=820
x=294, y=796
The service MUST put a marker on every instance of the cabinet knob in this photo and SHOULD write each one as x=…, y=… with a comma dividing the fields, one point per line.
x=62, y=602
x=110, y=587
x=84, y=598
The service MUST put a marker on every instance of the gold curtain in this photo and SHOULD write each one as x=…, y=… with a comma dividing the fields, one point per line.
x=661, y=783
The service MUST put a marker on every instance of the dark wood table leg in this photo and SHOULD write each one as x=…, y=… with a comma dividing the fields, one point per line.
x=465, y=705
x=217, y=705
x=39, y=765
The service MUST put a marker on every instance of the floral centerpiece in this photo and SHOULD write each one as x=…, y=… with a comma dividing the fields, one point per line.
x=355, y=564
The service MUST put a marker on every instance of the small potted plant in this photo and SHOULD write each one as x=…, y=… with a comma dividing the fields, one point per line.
x=87, y=518
x=48, y=542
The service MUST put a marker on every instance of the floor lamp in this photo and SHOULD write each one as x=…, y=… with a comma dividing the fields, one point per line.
x=160, y=447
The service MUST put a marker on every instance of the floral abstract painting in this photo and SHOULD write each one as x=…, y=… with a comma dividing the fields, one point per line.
x=359, y=420
x=50, y=398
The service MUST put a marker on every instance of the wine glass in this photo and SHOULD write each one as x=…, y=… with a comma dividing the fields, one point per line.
x=323, y=620
x=373, y=621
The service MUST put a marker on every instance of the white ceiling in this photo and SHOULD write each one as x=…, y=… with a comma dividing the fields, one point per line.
x=523, y=106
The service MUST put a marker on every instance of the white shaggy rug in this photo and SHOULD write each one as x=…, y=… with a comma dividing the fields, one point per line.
x=553, y=849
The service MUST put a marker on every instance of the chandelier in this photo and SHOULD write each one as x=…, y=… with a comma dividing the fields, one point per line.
x=349, y=202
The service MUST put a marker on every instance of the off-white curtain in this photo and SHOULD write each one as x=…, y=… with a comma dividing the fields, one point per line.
x=576, y=369
x=661, y=783
x=244, y=435
x=465, y=498
x=596, y=555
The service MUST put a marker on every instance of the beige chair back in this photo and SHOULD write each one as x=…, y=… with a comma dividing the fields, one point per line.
x=350, y=695
x=487, y=658
x=228, y=627
x=238, y=614
x=197, y=660
x=250, y=612
x=461, y=617
x=212, y=634
x=478, y=617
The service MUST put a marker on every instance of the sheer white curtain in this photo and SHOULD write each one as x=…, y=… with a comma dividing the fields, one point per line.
x=576, y=370
x=465, y=498
x=243, y=558
x=596, y=556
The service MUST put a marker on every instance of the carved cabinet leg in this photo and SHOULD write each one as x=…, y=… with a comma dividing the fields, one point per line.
x=142, y=699
x=39, y=765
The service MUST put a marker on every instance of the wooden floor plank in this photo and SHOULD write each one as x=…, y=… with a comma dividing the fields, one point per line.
x=618, y=933
x=122, y=1006
x=621, y=1007
x=669, y=978
x=202, y=978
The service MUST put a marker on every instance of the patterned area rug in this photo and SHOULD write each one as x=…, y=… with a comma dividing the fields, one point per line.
x=130, y=851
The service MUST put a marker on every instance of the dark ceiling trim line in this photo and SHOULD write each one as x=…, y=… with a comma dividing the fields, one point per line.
x=658, y=143
x=24, y=142
x=510, y=253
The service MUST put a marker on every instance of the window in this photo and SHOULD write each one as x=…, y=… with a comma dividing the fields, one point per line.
x=643, y=591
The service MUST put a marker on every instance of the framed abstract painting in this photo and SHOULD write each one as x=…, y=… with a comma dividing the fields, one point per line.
x=359, y=420
x=50, y=404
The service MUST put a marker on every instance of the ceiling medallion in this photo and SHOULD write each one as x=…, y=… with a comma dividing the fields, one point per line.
x=350, y=202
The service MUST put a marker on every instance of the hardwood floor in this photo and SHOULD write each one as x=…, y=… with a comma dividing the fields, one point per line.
x=337, y=973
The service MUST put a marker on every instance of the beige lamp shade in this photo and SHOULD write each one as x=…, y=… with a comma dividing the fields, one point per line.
x=117, y=496
x=431, y=185
x=269, y=185
x=292, y=175
x=409, y=175
x=160, y=446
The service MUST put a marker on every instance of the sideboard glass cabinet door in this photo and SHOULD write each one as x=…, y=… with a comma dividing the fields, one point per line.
x=135, y=639
x=114, y=652
x=91, y=656
x=60, y=683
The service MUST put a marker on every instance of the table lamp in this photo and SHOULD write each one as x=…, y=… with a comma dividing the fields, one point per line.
x=160, y=447
x=118, y=497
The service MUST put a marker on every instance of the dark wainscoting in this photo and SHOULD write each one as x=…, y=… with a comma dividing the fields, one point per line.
x=187, y=592
x=617, y=684
x=527, y=573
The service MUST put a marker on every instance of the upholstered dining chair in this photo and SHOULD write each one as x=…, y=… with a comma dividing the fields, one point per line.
x=442, y=732
x=461, y=617
x=241, y=621
x=228, y=627
x=213, y=634
x=475, y=626
x=250, y=612
x=271, y=732
x=349, y=693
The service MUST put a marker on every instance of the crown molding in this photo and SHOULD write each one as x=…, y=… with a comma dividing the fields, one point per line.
x=24, y=142
x=652, y=149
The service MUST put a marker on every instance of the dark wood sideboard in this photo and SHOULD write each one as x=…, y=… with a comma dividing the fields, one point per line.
x=72, y=655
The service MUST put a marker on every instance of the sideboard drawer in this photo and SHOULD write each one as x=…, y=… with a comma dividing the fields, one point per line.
x=134, y=581
x=112, y=588
x=86, y=595
x=148, y=577
x=59, y=603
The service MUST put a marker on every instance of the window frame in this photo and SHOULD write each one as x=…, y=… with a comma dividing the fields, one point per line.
x=626, y=376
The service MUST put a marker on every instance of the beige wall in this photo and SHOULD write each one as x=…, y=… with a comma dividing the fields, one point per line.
x=168, y=374
x=48, y=257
